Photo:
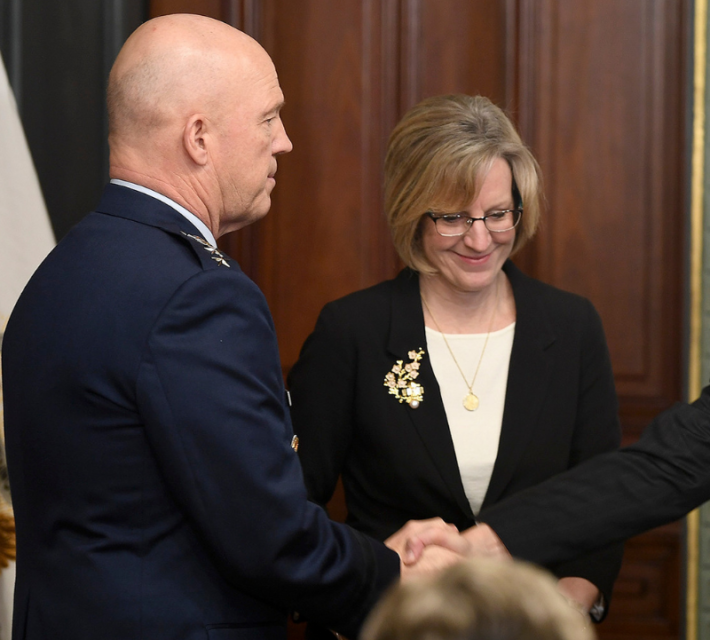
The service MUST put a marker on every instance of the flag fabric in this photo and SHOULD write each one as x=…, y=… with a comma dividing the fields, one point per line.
x=25, y=239
x=25, y=232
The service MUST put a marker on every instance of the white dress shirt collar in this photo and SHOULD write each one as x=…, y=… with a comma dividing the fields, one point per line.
x=201, y=226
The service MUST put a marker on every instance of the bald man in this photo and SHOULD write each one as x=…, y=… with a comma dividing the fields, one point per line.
x=156, y=488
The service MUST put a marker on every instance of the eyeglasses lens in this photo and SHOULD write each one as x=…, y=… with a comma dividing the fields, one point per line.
x=497, y=221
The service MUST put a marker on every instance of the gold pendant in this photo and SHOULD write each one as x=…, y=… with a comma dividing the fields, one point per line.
x=470, y=402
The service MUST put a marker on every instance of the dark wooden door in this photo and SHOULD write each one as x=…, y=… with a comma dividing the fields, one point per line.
x=598, y=89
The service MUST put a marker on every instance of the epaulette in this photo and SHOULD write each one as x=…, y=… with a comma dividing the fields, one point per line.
x=215, y=253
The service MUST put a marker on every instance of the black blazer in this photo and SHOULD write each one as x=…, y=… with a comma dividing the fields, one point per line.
x=156, y=492
x=656, y=480
x=398, y=463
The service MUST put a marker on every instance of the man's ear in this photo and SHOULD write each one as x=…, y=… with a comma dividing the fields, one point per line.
x=194, y=139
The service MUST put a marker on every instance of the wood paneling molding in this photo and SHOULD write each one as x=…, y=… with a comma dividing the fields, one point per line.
x=646, y=603
x=325, y=235
x=243, y=14
x=613, y=230
x=462, y=48
x=211, y=8
x=600, y=99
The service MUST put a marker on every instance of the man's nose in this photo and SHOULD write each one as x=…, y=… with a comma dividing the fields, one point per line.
x=282, y=143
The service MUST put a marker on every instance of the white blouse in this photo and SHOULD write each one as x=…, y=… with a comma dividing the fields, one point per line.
x=476, y=434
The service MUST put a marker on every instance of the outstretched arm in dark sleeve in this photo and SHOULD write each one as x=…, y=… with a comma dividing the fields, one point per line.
x=615, y=496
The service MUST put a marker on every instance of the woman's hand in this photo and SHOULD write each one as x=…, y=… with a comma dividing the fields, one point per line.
x=580, y=591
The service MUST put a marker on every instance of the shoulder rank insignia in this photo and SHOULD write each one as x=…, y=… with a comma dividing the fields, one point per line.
x=294, y=443
x=400, y=381
x=215, y=253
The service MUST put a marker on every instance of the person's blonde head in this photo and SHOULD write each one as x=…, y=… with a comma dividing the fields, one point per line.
x=436, y=157
x=478, y=599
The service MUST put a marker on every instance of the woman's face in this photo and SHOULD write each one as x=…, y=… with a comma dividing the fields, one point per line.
x=471, y=262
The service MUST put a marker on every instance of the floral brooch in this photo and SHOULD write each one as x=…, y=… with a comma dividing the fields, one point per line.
x=401, y=380
x=215, y=253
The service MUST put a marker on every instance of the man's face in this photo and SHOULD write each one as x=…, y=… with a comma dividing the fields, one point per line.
x=251, y=135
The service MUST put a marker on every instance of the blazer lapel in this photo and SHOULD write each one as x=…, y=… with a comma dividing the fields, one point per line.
x=528, y=380
x=429, y=419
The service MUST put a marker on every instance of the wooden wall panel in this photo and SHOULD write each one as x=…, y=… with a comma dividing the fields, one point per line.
x=326, y=235
x=600, y=99
x=243, y=14
x=458, y=46
x=602, y=108
x=647, y=593
x=211, y=8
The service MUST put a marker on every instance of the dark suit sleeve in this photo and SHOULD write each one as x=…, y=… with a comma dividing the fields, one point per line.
x=597, y=431
x=322, y=385
x=211, y=392
x=658, y=479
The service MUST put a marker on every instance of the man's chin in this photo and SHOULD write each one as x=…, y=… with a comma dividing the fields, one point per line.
x=260, y=211
x=254, y=214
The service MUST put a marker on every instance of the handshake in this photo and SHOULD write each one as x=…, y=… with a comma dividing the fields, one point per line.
x=425, y=546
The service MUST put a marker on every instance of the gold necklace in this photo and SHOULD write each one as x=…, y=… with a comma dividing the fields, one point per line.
x=470, y=401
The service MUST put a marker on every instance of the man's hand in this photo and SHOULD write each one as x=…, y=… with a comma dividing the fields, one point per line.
x=432, y=559
x=478, y=541
x=429, y=545
x=436, y=529
x=425, y=546
x=484, y=542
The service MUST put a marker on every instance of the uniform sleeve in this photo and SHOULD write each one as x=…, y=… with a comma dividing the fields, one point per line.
x=597, y=431
x=615, y=496
x=322, y=386
x=211, y=393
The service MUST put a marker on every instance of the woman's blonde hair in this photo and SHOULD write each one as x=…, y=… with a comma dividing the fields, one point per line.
x=478, y=599
x=435, y=157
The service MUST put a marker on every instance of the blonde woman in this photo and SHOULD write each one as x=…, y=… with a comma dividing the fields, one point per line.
x=461, y=381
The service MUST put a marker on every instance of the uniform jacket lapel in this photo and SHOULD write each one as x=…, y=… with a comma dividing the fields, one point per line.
x=429, y=419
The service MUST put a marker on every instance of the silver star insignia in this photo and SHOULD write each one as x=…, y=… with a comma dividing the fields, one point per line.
x=215, y=253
